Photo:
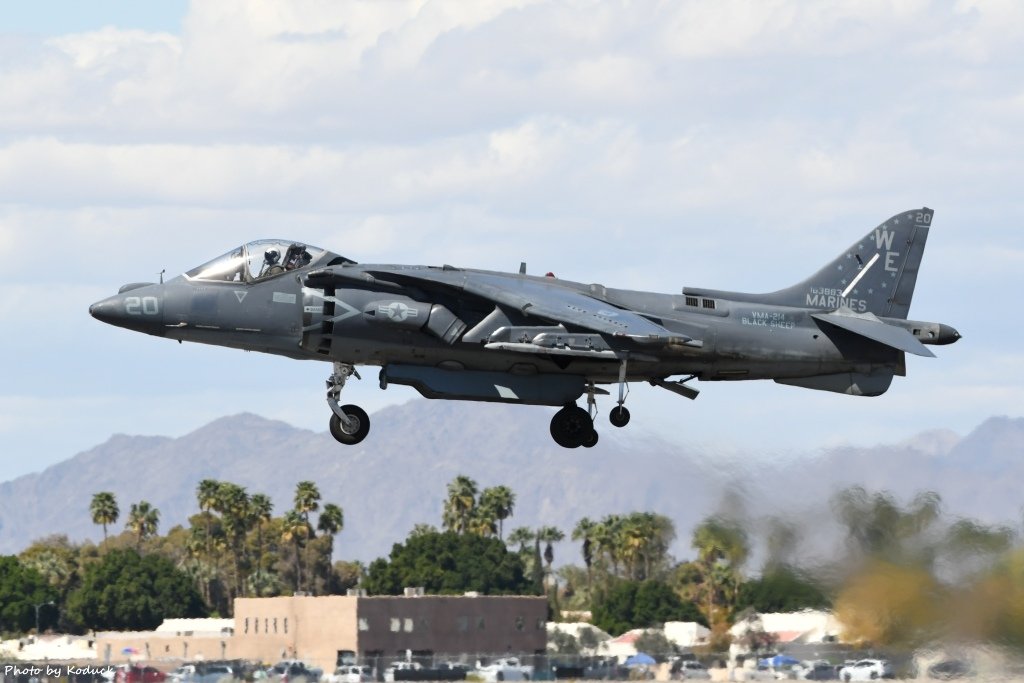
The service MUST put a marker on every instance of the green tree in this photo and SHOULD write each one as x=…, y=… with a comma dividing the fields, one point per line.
x=21, y=588
x=641, y=604
x=722, y=549
x=295, y=530
x=143, y=521
x=126, y=591
x=260, y=511
x=330, y=523
x=783, y=589
x=549, y=535
x=584, y=531
x=448, y=563
x=104, y=510
x=499, y=501
x=656, y=644
x=522, y=537
x=236, y=517
x=307, y=500
x=878, y=527
x=460, y=504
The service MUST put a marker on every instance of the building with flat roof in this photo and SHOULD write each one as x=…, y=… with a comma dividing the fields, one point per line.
x=320, y=630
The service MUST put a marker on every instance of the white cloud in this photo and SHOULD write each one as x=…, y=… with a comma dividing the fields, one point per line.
x=721, y=144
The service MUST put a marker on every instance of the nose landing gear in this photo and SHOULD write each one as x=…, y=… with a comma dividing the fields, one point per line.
x=349, y=424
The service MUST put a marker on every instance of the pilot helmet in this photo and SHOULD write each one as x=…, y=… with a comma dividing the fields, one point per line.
x=271, y=256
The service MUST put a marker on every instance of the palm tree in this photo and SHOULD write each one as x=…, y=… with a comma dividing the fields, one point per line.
x=722, y=548
x=307, y=499
x=499, y=501
x=104, y=510
x=461, y=502
x=206, y=496
x=143, y=520
x=330, y=522
x=482, y=522
x=260, y=509
x=606, y=535
x=521, y=536
x=549, y=535
x=232, y=503
x=584, y=531
x=295, y=529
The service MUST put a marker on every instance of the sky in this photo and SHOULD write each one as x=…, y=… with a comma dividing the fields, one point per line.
x=722, y=144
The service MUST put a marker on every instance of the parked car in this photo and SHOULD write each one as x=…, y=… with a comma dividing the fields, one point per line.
x=820, y=671
x=140, y=674
x=505, y=669
x=294, y=671
x=950, y=669
x=606, y=669
x=688, y=669
x=350, y=673
x=394, y=672
x=866, y=670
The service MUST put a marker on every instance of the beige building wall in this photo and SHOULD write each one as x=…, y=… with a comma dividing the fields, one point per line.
x=309, y=628
x=150, y=646
x=316, y=629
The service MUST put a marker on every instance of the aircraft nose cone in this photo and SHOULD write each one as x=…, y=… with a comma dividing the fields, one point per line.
x=139, y=310
x=108, y=311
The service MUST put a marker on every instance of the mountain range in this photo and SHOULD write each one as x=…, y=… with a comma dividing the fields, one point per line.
x=397, y=478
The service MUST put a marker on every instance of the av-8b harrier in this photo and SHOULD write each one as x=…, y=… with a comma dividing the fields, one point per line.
x=475, y=335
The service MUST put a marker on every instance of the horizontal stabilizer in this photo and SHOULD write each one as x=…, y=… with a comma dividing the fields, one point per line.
x=870, y=327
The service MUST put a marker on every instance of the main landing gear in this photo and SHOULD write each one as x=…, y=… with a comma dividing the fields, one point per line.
x=349, y=424
x=572, y=426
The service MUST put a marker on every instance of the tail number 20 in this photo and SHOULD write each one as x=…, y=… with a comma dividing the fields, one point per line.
x=146, y=305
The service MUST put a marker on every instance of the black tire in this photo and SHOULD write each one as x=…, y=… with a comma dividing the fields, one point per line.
x=362, y=428
x=589, y=442
x=619, y=417
x=570, y=426
x=499, y=676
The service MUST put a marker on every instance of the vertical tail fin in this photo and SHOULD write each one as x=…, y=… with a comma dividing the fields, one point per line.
x=876, y=274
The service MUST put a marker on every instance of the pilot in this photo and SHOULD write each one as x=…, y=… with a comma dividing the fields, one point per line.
x=299, y=258
x=270, y=263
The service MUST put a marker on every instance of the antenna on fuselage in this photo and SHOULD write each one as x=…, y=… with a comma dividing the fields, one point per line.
x=522, y=268
x=161, y=274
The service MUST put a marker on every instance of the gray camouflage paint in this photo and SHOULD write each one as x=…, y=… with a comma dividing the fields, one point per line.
x=481, y=335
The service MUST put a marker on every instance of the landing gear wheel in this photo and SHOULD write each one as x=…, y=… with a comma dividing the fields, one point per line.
x=356, y=431
x=619, y=417
x=571, y=426
x=591, y=440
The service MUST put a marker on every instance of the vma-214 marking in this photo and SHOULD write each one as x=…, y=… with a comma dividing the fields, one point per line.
x=475, y=335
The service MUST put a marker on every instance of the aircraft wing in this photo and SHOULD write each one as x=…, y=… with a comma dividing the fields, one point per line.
x=549, y=301
x=874, y=329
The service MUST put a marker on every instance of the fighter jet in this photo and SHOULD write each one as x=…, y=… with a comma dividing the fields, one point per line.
x=476, y=335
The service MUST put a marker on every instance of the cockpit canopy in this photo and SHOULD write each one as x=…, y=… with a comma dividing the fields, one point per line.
x=261, y=260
